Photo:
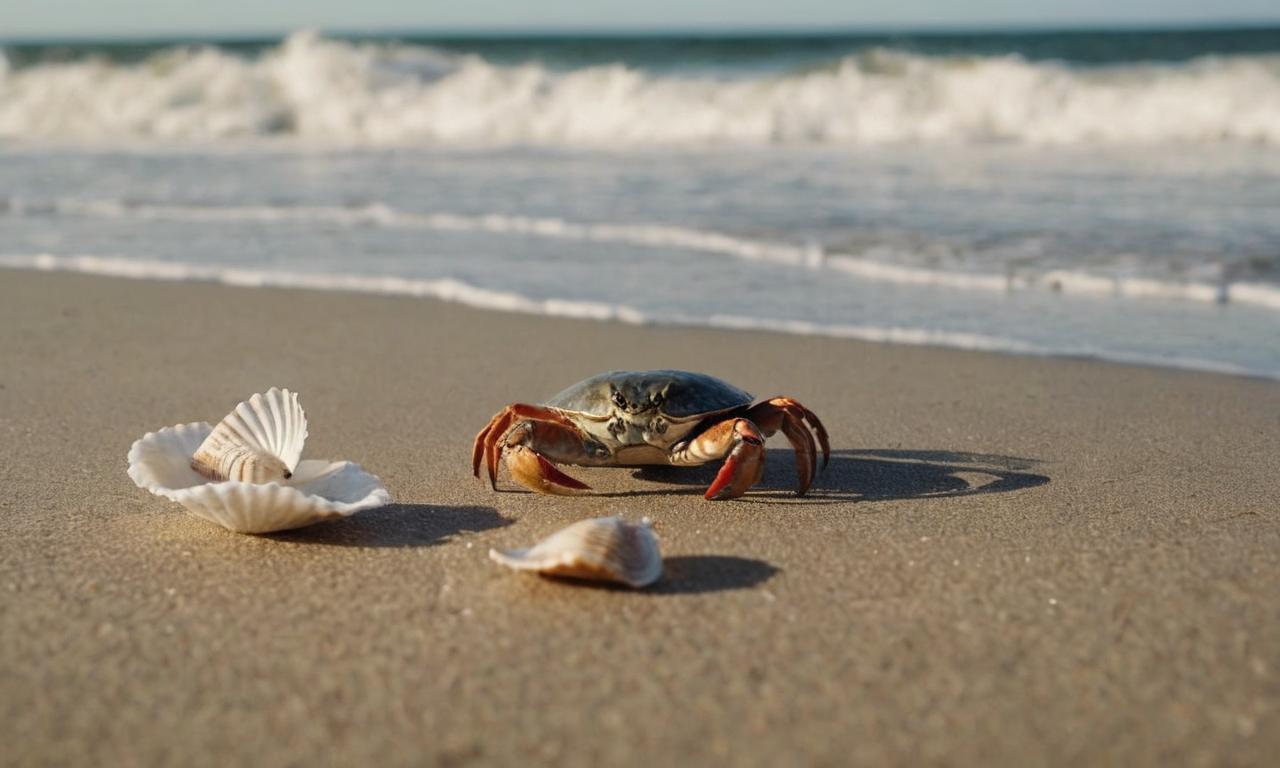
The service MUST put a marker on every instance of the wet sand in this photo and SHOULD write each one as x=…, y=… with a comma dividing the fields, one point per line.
x=1009, y=561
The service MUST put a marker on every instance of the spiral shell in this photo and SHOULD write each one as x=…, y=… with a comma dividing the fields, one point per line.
x=239, y=463
x=258, y=442
x=600, y=549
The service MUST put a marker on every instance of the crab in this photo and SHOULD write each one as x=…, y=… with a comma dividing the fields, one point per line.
x=641, y=418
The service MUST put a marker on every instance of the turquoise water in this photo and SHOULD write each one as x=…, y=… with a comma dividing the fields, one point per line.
x=729, y=53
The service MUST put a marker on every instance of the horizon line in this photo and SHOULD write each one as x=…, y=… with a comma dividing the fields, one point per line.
x=641, y=33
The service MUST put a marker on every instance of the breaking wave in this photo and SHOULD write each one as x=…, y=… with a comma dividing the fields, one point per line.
x=324, y=90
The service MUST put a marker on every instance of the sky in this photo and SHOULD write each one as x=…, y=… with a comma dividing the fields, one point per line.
x=127, y=18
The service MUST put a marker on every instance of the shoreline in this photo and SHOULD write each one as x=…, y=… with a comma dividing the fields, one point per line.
x=1076, y=284
x=1010, y=560
x=452, y=291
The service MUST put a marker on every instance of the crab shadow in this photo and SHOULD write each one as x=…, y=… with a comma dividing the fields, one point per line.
x=868, y=475
x=399, y=525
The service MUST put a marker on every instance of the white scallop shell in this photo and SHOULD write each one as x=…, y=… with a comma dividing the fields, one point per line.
x=272, y=424
x=160, y=462
x=601, y=549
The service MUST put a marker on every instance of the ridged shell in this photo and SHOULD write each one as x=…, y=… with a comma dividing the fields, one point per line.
x=258, y=442
x=600, y=549
x=161, y=462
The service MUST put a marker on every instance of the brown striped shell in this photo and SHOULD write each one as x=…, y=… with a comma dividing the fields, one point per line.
x=219, y=462
x=258, y=442
x=600, y=549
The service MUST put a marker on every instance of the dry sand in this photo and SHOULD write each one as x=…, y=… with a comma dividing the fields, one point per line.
x=1009, y=561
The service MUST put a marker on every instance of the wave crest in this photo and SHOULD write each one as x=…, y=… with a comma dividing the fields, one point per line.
x=364, y=93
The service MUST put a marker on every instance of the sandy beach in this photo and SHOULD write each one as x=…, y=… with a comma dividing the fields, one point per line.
x=1009, y=561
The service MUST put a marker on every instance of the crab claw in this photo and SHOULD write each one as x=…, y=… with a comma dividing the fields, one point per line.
x=539, y=475
x=743, y=467
x=518, y=432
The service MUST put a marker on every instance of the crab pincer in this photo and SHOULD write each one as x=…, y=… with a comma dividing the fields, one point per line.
x=744, y=465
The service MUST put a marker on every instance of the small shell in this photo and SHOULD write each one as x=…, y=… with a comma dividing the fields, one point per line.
x=258, y=442
x=600, y=549
x=238, y=463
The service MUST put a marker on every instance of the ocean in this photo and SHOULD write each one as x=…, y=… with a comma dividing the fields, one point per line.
x=1100, y=194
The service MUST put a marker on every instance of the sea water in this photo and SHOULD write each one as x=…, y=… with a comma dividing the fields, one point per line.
x=1114, y=195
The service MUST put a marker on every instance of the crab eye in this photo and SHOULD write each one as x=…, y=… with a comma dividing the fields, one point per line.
x=619, y=400
x=657, y=399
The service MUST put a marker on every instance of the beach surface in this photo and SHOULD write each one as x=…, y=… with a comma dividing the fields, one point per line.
x=1009, y=560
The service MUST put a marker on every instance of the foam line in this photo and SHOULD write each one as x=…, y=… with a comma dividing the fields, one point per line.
x=459, y=292
x=1068, y=282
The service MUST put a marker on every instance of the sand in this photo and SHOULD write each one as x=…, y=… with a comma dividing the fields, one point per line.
x=1009, y=561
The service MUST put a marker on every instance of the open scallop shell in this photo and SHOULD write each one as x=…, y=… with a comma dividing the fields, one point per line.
x=161, y=462
x=600, y=549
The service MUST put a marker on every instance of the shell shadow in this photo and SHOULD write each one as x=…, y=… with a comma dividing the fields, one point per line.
x=699, y=574
x=690, y=575
x=398, y=525
x=872, y=475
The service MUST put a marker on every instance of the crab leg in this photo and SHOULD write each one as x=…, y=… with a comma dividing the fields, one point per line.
x=740, y=443
x=795, y=421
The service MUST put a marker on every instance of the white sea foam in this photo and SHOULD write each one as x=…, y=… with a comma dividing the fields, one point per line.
x=333, y=91
x=504, y=301
x=444, y=289
x=881, y=269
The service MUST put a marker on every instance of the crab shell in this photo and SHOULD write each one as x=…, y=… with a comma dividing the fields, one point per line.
x=683, y=394
x=661, y=408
